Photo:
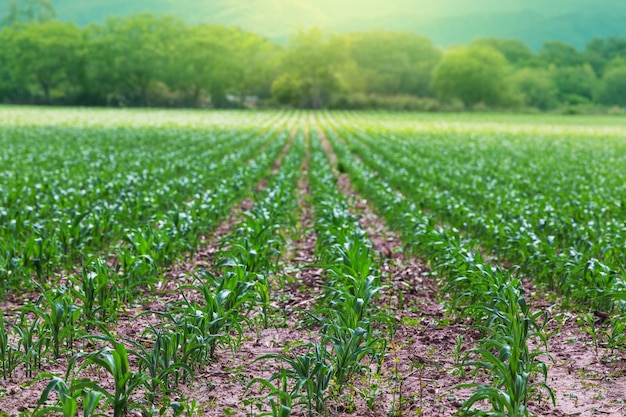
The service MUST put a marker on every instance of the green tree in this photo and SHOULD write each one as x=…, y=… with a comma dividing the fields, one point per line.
x=473, y=74
x=217, y=60
x=314, y=62
x=575, y=85
x=560, y=54
x=515, y=51
x=45, y=54
x=600, y=52
x=612, y=88
x=394, y=62
x=205, y=61
x=137, y=52
x=258, y=65
x=536, y=87
x=288, y=88
x=28, y=11
x=94, y=79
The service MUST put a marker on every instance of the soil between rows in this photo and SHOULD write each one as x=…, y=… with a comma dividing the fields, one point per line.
x=584, y=385
x=416, y=376
x=21, y=394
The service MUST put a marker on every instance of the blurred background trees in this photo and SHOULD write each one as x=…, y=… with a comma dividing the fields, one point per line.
x=159, y=60
x=472, y=74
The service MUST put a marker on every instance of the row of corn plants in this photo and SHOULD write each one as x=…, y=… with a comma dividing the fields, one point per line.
x=531, y=233
x=352, y=331
x=507, y=360
x=147, y=249
x=68, y=193
x=188, y=334
x=252, y=253
x=563, y=227
x=63, y=317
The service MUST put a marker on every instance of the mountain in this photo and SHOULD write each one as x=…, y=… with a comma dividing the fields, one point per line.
x=576, y=28
x=446, y=22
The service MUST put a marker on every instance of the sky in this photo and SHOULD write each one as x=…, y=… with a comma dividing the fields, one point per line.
x=447, y=22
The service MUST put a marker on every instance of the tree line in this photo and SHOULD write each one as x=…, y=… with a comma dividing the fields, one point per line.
x=155, y=60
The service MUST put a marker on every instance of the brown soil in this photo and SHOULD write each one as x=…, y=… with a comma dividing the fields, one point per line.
x=296, y=289
x=418, y=373
x=583, y=383
x=21, y=396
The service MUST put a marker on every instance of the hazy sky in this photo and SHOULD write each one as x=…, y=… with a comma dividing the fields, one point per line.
x=445, y=21
x=342, y=9
x=370, y=8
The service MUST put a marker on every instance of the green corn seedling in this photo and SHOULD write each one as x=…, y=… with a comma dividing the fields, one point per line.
x=58, y=317
x=10, y=356
x=160, y=361
x=31, y=343
x=67, y=397
x=309, y=376
x=116, y=362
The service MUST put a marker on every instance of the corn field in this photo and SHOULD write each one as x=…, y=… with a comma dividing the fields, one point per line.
x=187, y=263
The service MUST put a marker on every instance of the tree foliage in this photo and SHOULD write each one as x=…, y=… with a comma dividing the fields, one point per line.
x=600, y=52
x=44, y=54
x=612, y=91
x=575, y=84
x=28, y=11
x=139, y=51
x=313, y=65
x=473, y=74
x=394, y=62
x=515, y=51
x=560, y=54
x=536, y=88
x=158, y=60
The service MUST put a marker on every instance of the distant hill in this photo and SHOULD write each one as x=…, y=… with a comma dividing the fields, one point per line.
x=447, y=22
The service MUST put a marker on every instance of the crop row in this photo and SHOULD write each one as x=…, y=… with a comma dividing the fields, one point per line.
x=185, y=335
x=491, y=298
x=118, y=193
x=559, y=216
x=350, y=327
x=513, y=240
x=115, y=207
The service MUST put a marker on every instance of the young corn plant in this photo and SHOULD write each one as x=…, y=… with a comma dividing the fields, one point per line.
x=97, y=295
x=352, y=304
x=182, y=347
x=68, y=397
x=258, y=283
x=225, y=303
x=73, y=235
x=11, y=265
x=281, y=399
x=59, y=317
x=309, y=377
x=616, y=335
x=517, y=372
x=137, y=271
x=350, y=347
x=37, y=255
x=10, y=356
x=256, y=246
x=116, y=362
x=161, y=361
x=30, y=343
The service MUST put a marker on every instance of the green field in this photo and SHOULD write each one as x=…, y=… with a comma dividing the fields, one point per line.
x=311, y=263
